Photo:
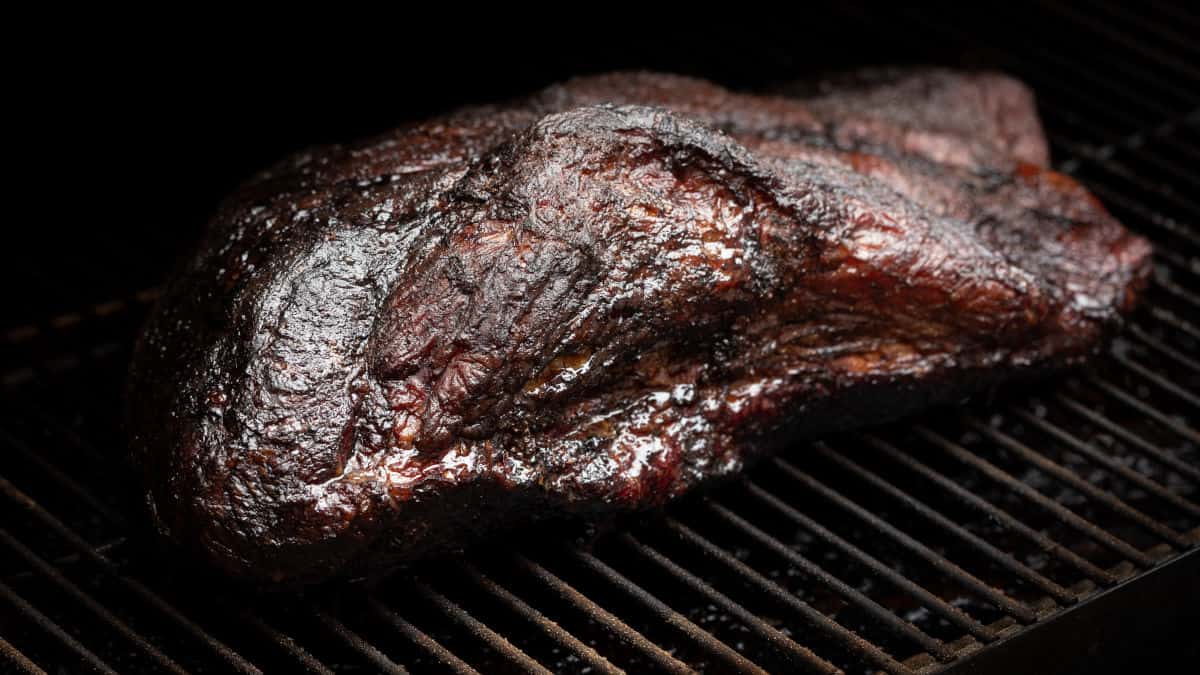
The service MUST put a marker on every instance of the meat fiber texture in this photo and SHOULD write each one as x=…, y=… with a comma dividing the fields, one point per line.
x=596, y=299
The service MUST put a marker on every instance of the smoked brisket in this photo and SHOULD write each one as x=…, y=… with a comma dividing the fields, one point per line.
x=598, y=298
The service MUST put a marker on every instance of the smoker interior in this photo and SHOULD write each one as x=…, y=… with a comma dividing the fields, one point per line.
x=1029, y=530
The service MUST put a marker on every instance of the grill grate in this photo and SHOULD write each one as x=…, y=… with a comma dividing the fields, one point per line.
x=907, y=549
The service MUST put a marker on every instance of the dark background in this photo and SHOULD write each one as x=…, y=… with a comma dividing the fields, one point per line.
x=135, y=134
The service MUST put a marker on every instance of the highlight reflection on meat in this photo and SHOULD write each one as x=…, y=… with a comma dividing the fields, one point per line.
x=598, y=298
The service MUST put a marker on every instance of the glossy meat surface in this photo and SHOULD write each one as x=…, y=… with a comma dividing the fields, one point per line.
x=596, y=299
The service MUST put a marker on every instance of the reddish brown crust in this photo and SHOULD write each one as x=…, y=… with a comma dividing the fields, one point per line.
x=568, y=306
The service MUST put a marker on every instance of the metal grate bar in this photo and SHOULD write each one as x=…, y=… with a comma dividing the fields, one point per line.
x=1115, y=132
x=603, y=617
x=1159, y=29
x=989, y=551
x=1109, y=463
x=1184, y=146
x=1066, y=102
x=944, y=609
x=1178, y=291
x=1062, y=513
x=1150, y=411
x=421, y=639
x=547, y=626
x=1185, y=469
x=63, y=479
x=1070, y=70
x=46, y=624
x=777, y=592
x=1165, y=165
x=667, y=615
x=288, y=644
x=812, y=570
x=1118, y=169
x=1043, y=54
x=80, y=544
x=1170, y=318
x=481, y=630
x=1083, y=127
x=1164, y=349
x=1119, y=131
x=1142, y=75
x=96, y=554
x=1062, y=89
x=1179, y=263
x=71, y=558
x=1162, y=110
x=1044, y=543
x=16, y=658
x=1147, y=215
x=66, y=586
x=1108, y=499
x=71, y=437
x=1065, y=108
x=1066, y=97
x=358, y=644
x=908, y=543
x=1137, y=207
x=62, y=431
x=1152, y=53
x=1146, y=76
x=1105, y=157
x=1156, y=379
x=783, y=644
x=1176, y=13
